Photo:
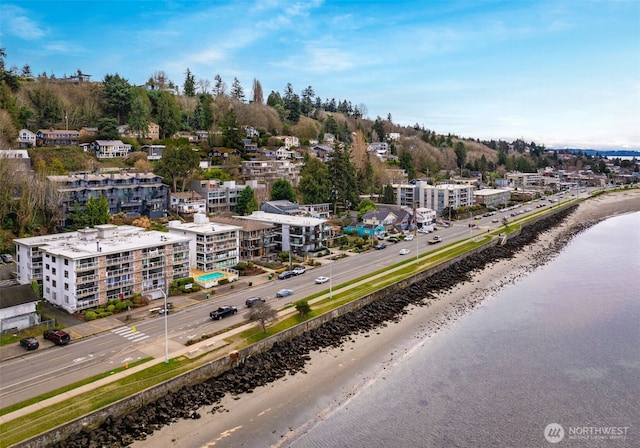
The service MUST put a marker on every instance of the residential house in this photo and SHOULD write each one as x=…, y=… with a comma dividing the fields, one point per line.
x=18, y=308
x=57, y=137
x=385, y=218
x=89, y=267
x=289, y=141
x=187, y=203
x=152, y=133
x=109, y=149
x=26, y=139
x=154, y=152
x=322, y=152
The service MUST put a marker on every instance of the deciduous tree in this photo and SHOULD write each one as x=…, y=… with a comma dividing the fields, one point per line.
x=262, y=313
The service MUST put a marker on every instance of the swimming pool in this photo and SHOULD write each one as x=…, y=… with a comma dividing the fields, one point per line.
x=211, y=276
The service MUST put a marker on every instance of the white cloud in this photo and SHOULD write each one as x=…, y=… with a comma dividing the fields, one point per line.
x=18, y=23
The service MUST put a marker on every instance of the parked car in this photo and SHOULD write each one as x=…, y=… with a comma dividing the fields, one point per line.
x=286, y=274
x=223, y=311
x=58, y=337
x=380, y=246
x=404, y=251
x=7, y=258
x=298, y=270
x=284, y=293
x=408, y=238
x=253, y=300
x=320, y=280
x=29, y=343
x=167, y=310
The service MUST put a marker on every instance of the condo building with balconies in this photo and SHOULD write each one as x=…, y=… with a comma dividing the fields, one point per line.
x=87, y=268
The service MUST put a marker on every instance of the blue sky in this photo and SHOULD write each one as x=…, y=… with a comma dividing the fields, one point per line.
x=562, y=73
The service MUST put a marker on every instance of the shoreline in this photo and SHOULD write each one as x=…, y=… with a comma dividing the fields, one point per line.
x=280, y=412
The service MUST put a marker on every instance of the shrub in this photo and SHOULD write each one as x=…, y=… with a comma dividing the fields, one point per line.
x=241, y=266
x=141, y=300
x=90, y=315
x=120, y=306
x=111, y=308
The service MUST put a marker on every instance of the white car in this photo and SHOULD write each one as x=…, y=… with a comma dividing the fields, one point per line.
x=408, y=238
x=404, y=251
x=321, y=280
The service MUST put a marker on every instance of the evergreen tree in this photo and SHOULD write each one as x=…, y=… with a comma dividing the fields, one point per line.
x=247, y=202
x=314, y=184
x=189, y=86
x=342, y=174
x=219, y=88
x=282, y=190
x=116, y=97
x=236, y=90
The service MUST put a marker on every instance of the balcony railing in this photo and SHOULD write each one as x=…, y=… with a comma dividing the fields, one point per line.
x=86, y=265
x=86, y=279
x=86, y=291
x=119, y=260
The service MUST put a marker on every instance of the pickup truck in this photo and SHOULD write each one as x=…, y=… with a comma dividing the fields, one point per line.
x=436, y=239
x=223, y=311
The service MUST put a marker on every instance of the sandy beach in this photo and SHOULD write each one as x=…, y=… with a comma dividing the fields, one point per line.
x=275, y=415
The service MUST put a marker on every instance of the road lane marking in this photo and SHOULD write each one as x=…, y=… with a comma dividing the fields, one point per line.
x=128, y=333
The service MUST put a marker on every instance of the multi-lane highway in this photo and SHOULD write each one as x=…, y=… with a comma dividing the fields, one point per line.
x=34, y=373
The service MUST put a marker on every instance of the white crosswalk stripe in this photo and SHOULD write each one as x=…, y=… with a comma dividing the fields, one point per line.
x=127, y=332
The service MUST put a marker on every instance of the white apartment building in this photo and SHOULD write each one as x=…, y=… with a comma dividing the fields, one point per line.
x=86, y=268
x=212, y=246
x=434, y=197
x=299, y=234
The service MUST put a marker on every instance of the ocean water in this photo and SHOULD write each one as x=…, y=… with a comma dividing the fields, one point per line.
x=553, y=360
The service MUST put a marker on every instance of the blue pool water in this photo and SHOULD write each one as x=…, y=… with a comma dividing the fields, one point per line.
x=211, y=276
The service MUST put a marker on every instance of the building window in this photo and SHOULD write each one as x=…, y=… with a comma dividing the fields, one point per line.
x=66, y=274
x=66, y=262
x=66, y=299
x=53, y=271
x=47, y=278
x=66, y=286
x=48, y=290
x=53, y=259
x=46, y=266
x=53, y=283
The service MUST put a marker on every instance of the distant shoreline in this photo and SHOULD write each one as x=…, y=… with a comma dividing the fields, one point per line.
x=276, y=414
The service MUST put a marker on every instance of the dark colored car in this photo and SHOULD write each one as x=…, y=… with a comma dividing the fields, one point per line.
x=380, y=246
x=29, y=343
x=58, y=337
x=286, y=274
x=223, y=311
x=393, y=239
x=253, y=300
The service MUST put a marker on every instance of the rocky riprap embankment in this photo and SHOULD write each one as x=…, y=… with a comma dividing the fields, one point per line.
x=290, y=357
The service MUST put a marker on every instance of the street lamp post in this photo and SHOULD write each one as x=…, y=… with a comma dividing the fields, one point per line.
x=166, y=328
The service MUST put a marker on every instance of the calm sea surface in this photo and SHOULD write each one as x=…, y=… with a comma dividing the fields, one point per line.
x=560, y=347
